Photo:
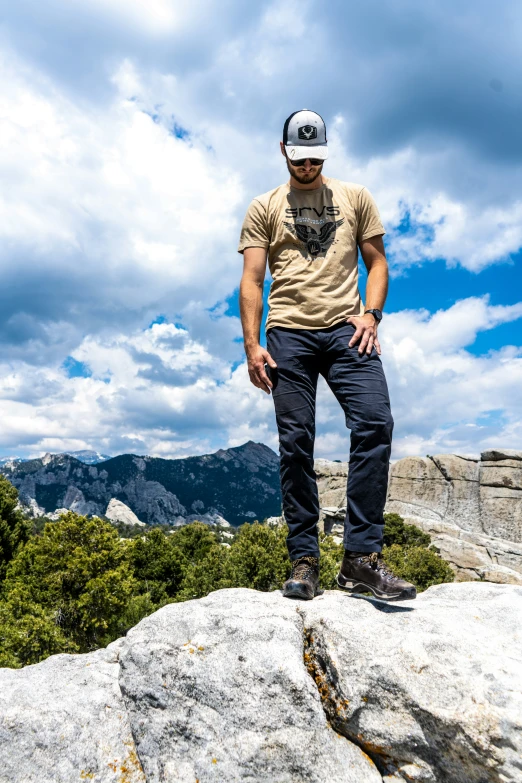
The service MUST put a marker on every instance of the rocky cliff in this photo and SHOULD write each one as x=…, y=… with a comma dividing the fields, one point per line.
x=472, y=508
x=248, y=687
x=235, y=485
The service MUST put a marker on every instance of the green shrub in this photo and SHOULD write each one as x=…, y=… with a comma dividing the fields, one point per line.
x=206, y=576
x=127, y=531
x=422, y=567
x=396, y=531
x=194, y=540
x=331, y=556
x=158, y=564
x=408, y=552
x=258, y=559
x=78, y=572
x=38, y=524
x=29, y=632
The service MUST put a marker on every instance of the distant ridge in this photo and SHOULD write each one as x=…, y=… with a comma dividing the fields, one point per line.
x=86, y=456
x=235, y=485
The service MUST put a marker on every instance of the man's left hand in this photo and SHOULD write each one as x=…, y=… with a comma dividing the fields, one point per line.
x=365, y=333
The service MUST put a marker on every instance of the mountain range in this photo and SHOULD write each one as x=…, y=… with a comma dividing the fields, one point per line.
x=233, y=485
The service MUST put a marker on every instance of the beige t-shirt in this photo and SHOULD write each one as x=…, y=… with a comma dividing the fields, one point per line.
x=311, y=237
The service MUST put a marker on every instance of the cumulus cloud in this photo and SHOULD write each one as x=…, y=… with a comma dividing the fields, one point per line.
x=425, y=217
x=159, y=391
x=108, y=218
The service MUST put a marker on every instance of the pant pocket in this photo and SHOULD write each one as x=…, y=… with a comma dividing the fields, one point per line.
x=272, y=375
x=292, y=386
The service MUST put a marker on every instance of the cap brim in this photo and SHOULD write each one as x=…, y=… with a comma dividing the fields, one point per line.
x=319, y=151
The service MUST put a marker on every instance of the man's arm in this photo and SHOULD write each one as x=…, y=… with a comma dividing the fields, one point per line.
x=251, y=309
x=374, y=257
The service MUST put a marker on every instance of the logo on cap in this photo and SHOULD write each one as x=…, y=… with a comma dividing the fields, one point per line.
x=307, y=132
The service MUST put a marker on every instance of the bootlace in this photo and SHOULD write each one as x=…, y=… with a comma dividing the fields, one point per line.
x=378, y=564
x=303, y=567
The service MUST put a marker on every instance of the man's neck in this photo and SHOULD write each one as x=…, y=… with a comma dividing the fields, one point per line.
x=315, y=185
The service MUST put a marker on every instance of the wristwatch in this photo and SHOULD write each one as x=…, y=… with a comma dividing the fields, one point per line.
x=376, y=314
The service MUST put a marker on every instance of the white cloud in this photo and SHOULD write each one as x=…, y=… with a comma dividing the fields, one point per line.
x=152, y=16
x=474, y=230
x=461, y=234
x=109, y=207
x=161, y=392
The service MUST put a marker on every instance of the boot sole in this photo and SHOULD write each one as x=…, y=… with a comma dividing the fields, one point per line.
x=361, y=587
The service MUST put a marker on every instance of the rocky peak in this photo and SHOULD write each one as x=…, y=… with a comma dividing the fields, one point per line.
x=88, y=456
x=119, y=512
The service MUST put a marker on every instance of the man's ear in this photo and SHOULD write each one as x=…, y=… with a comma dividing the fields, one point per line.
x=283, y=151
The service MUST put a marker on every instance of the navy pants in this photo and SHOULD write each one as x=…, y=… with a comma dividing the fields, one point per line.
x=359, y=385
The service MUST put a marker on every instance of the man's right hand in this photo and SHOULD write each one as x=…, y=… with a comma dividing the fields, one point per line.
x=256, y=367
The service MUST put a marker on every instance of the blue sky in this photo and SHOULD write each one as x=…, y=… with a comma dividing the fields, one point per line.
x=134, y=134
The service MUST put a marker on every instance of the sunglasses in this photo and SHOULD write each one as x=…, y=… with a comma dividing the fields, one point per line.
x=302, y=161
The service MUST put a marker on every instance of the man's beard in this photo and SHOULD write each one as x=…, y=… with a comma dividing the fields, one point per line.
x=303, y=179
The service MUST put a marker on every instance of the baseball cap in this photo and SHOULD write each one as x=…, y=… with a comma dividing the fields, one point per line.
x=304, y=135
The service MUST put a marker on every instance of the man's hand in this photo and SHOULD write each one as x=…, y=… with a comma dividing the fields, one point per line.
x=365, y=333
x=257, y=357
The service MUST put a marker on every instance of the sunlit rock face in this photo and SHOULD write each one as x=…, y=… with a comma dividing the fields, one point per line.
x=119, y=512
x=249, y=686
x=472, y=508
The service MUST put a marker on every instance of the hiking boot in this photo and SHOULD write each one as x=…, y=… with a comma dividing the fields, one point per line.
x=303, y=582
x=363, y=572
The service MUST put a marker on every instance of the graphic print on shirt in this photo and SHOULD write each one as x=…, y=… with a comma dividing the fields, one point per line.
x=313, y=241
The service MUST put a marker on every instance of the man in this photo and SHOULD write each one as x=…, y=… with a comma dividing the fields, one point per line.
x=310, y=229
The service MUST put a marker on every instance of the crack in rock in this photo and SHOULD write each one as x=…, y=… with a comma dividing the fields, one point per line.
x=442, y=470
x=438, y=750
x=324, y=674
x=242, y=707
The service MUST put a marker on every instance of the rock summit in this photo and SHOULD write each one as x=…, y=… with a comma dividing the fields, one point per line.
x=249, y=687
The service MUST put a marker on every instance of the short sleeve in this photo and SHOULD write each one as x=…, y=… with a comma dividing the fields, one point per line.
x=254, y=232
x=369, y=224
